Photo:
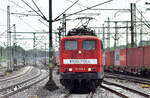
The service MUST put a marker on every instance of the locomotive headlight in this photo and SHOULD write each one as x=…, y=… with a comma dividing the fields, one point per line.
x=89, y=69
x=79, y=52
x=70, y=69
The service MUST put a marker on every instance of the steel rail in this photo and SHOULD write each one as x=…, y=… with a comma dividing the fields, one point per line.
x=2, y=71
x=24, y=87
x=127, y=88
x=67, y=94
x=129, y=78
x=3, y=67
x=91, y=93
x=16, y=76
x=10, y=89
x=114, y=91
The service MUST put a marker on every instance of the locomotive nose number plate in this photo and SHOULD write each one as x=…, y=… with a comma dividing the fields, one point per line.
x=80, y=69
x=80, y=61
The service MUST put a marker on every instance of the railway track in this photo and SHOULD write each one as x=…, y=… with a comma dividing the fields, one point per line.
x=106, y=85
x=2, y=71
x=17, y=87
x=91, y=94
x=129, y=78
x=124, y=93
x=69, y=94
x=114, y=91
x=17, y=75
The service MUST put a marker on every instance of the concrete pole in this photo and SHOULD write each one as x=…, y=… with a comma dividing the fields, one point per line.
x=9, y=65
x=50, y=39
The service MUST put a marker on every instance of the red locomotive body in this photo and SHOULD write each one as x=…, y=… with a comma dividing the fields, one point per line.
x=81, y=61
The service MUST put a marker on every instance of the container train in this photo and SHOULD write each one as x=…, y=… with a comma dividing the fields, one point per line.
x=81, y=59
x=129, y=60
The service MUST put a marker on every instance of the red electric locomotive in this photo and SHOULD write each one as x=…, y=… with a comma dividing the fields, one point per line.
x=81, y=60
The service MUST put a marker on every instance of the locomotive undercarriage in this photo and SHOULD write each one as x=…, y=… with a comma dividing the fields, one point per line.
x=81, y=80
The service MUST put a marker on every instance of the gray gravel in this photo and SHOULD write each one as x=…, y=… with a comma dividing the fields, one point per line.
x=34, y=90
x=15, y=72
x=132, y=85
x=27, y=76
x=38, y=90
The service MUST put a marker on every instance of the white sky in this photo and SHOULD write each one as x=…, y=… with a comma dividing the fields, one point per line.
x=32, y=23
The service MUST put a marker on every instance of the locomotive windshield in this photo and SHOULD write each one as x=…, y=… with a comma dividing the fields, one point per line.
x=89, y=44
x=70, y=45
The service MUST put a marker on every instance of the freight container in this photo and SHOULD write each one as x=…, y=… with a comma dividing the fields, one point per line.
x=107, y=54
x=123, y=57
x=134, y=57
x=117, y=57
x=146, y=56
x=111, y=58
x=104, y=58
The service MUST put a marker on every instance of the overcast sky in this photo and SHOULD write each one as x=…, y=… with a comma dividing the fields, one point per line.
x=32, y=23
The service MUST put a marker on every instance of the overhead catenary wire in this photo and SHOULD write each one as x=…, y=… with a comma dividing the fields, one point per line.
x=43, y=23
x=146, y=29
x=27, y=24
x=13, y=26
x=40, y=10
x=5, y=31
x=143, y=21
x=148, y=25
x=31, y=8
x=85, y=9
x=23, y=14
x=77, y=4
x=25, y=10
x=66, y=10
x=78, y=24
x=28, y=11
x=34, y=10
x=21, y=20
x=3, y=10
x=18, y=5
x=40, y=40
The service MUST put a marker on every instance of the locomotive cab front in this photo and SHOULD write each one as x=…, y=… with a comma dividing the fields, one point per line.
x=81, y=61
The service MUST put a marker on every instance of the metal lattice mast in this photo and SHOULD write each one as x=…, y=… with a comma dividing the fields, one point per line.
x=108, y=36
x=14, y=46
x=103, y=36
